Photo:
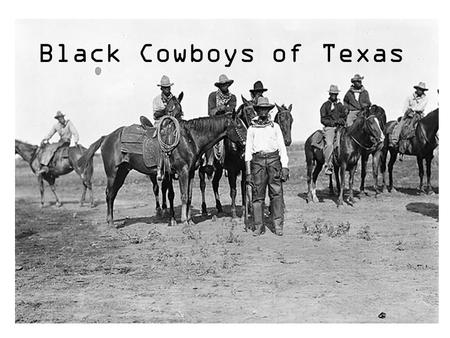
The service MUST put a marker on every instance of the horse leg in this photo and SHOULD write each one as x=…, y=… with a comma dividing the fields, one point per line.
x=317, y=170
x=171, y=196
x=154, y=180
x=184, y=187
x=232, y=182
x=429, y=189
x=376, y=157
x=420, y=165
x=83, y=194
x=338, y=181
x=51, y=182
x=164, y=187
x=215, y=185
x=330, y=185
x=309, y=196
x=41, y=189
x=342, y=181
x=189, y=201
x=364, y=159
x=392, y=160
x=114, y=184
x=351, y=178
x=382, y=166
x=201, y=176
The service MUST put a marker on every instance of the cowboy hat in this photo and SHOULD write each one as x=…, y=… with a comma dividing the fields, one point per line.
x=223, y=79
x=422, y=86
x=165, y=82
x=258, y=87
x=333, y=89
x=59, y=114
x=357, y=77
x=263, y=104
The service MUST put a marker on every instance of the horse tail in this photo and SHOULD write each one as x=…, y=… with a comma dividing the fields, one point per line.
x=309, y=152
x=84, y=160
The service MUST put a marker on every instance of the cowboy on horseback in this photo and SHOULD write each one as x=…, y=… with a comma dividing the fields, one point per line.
x=332, y=115
x=266, y=162
x=412, y=113
x=257, y=92
x=220, y=102
x=65, y=129
x=356, y=99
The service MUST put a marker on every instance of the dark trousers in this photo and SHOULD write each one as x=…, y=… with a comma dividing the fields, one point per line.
x=266, y=172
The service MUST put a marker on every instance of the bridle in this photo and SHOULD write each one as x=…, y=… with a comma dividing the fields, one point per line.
x=242, y=138
x=359, y=143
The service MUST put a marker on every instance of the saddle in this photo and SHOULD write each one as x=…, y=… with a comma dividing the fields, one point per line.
x=318, y=139
x=50, y=153
x=137, y=139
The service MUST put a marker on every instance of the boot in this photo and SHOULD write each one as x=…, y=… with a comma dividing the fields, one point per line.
x=258, y=219
x=44, y=169
x=278, y=224
x=259, y=229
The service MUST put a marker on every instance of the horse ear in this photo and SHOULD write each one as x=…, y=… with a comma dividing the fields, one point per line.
x=278, y=107
x=244, y=100
x=290, y=107
x=180, y=97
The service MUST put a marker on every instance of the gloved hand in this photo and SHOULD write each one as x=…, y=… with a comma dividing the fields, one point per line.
x=284, y=174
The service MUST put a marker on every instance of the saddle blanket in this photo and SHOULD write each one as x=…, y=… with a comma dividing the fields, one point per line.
x=318, y=139
x=137, y=140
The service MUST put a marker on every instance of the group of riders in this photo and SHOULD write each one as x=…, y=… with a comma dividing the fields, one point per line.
x=265, y=154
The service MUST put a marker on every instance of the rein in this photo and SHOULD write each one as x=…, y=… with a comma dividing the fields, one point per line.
x=359, y=143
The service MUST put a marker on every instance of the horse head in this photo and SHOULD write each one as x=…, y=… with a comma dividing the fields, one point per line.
x=236, y=129
x=284, y=118
x=372, y=127
x=379, y=113
x=173, y=106
x=246, y=111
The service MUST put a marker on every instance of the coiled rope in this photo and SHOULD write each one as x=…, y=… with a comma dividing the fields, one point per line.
x=166, y=147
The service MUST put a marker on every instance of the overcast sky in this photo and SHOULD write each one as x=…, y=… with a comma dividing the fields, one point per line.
x=98, y=104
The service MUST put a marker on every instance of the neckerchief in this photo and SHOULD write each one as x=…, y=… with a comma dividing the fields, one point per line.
x=354, y=90
x=259, y=123
x=165, y=98
x=221, y=98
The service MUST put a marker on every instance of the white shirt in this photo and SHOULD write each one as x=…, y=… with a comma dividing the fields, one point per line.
x=65, y=131
x=158, y=103
x=267, y=139
x=416, y=103
x=356, y=96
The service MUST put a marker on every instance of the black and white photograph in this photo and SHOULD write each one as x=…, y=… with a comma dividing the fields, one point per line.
x=226, y=170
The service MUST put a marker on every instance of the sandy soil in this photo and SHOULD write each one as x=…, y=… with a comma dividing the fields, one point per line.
x=332, y=265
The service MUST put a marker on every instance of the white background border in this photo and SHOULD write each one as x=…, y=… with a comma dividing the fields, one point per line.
x=197, y=9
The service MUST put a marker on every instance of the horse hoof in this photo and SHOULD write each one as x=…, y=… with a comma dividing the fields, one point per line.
x=93, y=205
x=204, y=209
x=164, y=212
x=430, y=192
x=58, y=204
x=214, y=218
x=315, y=199
x=158, y=212
x=172, y=222
x=81, y=204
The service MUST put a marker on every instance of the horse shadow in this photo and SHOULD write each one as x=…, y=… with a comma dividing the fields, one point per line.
x=426, y=209
x=415, y=191
x=324, y=195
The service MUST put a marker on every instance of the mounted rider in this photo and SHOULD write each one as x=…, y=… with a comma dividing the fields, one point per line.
x=159, y=110
x=332, y=115
x=65, y=129
x=356, y=99
x=266, y=162
x=412, y=113
x=220, y=102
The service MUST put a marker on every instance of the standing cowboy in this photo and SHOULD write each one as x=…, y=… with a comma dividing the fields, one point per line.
x=266, y=162
x=220, y=102
x=356, y=99
x=332, y=115
x=412, y=111
x=66, y=130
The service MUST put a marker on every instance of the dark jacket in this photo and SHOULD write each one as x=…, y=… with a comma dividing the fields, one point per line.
x=212, y=105
x=335, y=117
x=351, y=103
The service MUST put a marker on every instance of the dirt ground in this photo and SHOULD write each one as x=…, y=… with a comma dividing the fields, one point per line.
x=332, y=265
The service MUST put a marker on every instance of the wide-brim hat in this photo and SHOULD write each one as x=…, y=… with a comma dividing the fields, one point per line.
x=165, y=82
x=263, y=104
x=333, y=89
x=421, y=85
x=258, y=87
x=357, y=77
x=223, y=80
x=59, y=114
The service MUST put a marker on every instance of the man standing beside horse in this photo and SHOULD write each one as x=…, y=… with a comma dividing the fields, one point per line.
x=267, y=166
x=356, y=99
x=332, y=115
x=65, y=129
x=412, y=113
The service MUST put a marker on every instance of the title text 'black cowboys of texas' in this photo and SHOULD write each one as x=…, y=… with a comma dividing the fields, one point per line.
x=60, y=53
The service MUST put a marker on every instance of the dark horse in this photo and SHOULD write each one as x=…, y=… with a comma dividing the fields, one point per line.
x=58, y=167
x=234, y=162
x=361, y=136
x=196, y=136
x=423, y=144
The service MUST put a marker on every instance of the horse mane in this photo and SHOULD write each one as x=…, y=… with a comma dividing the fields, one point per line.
x=26, y=144
x=204, y=124
x=356, y=125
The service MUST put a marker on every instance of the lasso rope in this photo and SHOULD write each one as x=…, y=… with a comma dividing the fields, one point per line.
x=167, y=148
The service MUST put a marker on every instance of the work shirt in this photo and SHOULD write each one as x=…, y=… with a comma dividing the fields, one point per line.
x=416, y=103
x=332, y=113
x=159, y=105
x=266, y=139
x=228, y=101
x=356, y=99
x=65, y=131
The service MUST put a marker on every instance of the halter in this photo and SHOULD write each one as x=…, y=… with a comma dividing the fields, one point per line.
x=359, y=143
